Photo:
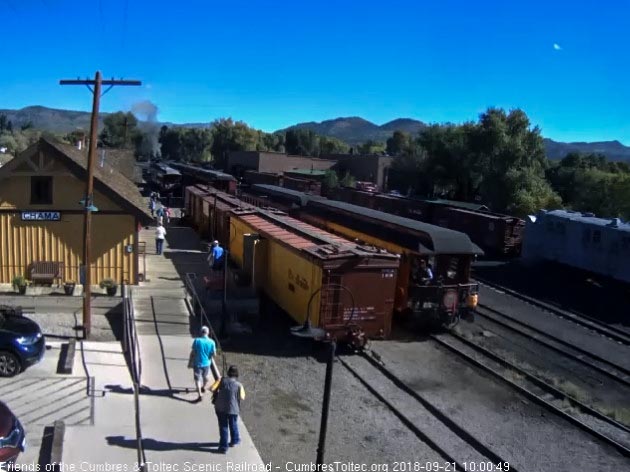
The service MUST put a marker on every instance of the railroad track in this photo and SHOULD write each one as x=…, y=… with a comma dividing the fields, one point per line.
x=600, y=426
x=601, y=365
x=616, y=334
x=437, y=427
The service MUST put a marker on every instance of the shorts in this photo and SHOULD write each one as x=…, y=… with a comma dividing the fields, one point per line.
x=201, y=373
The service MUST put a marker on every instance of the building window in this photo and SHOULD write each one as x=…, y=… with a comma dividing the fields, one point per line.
x=41, y=190
x=597, y=237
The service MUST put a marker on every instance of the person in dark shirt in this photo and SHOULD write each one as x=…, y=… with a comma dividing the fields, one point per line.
x=228, y=394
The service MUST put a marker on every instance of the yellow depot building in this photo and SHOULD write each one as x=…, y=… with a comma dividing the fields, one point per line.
x=41, y=215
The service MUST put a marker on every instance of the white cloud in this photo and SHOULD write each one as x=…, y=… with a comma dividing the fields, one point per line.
x=557, y=47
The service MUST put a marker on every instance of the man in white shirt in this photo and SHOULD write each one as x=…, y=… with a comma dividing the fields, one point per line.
x=160, y=232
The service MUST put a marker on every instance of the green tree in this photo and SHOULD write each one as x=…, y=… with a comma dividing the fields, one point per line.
x=348, y=180
x=371, y=147
x=302, y=142
x=330, y=181
x=120, y=130
x=329, y=145
x=228, y=135
x=398, y=144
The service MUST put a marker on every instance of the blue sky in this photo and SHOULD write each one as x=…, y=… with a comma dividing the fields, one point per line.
x=275, y=63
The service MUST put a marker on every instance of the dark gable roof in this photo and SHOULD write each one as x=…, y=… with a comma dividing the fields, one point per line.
x=445, y=241
x=107, y=180
x=122, y=160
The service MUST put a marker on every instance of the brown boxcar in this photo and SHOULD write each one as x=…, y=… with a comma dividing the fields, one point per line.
x=311, y=187
x=344, y=288
x=497, y=234
x=252, y=177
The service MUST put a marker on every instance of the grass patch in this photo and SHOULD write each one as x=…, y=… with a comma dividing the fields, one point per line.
x=618, y=414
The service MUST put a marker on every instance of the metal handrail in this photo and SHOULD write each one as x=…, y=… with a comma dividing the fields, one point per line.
x=131, y=346
x=196, y=304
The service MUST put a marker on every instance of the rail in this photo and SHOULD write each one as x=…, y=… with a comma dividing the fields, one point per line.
x=619, y=335
x=199, y=311
x=131, y=348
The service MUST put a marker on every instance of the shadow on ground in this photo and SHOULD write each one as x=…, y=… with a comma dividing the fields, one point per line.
x=150, y=444
x=567, y=288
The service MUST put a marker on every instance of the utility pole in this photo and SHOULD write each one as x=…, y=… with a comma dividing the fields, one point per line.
x=88, y=202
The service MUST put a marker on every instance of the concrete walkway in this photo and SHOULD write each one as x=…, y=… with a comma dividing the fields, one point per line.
x=176, y=429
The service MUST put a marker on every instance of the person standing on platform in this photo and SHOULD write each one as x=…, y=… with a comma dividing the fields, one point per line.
x=160, y=233
x=167, y=214
x=152, y=206
x=160, y=215
x=215, y=259
x=228, y=393
x=201, y=354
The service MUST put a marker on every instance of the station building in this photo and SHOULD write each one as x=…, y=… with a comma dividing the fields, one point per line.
x=41, y=215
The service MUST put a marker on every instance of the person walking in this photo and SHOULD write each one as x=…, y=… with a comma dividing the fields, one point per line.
x=160, y=215
x=167, y=214
x=152, y=206
x=215, y=258
x=228, y=393
x=201, y=354
x=160, y=233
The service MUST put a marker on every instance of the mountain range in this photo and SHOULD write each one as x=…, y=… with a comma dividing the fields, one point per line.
x=352, y=130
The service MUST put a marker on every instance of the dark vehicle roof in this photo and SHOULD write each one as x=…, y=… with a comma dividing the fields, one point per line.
x=442, y=240
x=12, y=320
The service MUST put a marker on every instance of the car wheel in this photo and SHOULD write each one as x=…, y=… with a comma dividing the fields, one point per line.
x=9, y=364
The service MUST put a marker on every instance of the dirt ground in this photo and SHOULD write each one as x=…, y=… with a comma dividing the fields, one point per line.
x=530, y=437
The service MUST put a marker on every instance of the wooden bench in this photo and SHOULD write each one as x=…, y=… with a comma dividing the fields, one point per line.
x=45, y=272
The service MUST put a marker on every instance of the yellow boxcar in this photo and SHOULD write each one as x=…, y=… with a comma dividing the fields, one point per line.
x=350, y=287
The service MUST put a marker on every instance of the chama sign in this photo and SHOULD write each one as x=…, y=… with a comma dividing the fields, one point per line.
x=41, y=216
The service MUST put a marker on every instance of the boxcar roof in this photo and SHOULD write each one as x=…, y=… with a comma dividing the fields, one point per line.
x=446, y=241
x=304, y=237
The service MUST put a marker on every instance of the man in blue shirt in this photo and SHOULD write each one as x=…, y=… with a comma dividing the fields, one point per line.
x=202, y=351
x=216, y=256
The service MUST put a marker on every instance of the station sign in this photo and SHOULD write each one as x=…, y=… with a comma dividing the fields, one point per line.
x=41, y=216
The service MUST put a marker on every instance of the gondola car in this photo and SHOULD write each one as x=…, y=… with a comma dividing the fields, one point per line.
x=448, y=297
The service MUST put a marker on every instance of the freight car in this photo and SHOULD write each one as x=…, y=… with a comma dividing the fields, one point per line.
x=580, y=240
x=445, y=299
x=164, y=177
x=252, y=177
x=193, y=174
x=209, y=210
x=345, y=289
x=495, y=233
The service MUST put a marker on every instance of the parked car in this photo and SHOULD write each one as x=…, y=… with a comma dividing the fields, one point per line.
x=21, y=341
x=12, y=436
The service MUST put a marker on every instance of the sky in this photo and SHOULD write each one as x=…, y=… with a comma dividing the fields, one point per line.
x=276, y=63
